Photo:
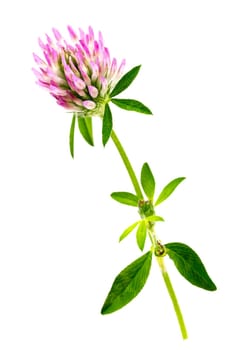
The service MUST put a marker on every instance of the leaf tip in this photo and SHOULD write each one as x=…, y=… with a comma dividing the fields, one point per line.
x=103, y=311
x=106, y=308
x=148, y=111
x=212, y=287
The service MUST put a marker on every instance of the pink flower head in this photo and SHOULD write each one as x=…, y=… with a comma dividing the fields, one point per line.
x=80, y=75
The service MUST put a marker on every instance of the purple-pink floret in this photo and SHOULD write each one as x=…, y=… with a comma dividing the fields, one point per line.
x=81, y=75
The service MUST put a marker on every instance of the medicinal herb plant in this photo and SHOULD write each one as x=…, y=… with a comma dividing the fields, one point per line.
x=84, y=79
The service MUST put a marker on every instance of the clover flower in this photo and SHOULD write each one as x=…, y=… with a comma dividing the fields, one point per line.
x=85, y=80
x=79, y=75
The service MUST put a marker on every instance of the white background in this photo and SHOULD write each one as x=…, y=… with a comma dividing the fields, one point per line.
x=59, y=229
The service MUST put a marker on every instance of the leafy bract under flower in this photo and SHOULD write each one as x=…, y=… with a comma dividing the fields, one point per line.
x=80, y=75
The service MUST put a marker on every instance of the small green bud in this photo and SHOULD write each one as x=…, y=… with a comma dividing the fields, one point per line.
x=160, y=249
x=146, y=208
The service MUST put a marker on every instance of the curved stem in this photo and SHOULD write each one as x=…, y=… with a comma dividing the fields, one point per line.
x=128, y=165
x=173, y=297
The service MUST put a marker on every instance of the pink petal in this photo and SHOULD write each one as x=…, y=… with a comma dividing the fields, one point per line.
x=96, y=48
x=49, y=40
x=77, y=101
x=39, y=75
x=91, y=33
x=106, y=57
x=72, y=33
x=113, y=67
x=85, y=48
x=79, y=83
x=87, y=39
x=82, y=93
x=89, y=104
x=95, y=71
x=93, y=91
x=38, y=60
x=121, y=68
x=64, y=104
x=82, y=34
x=43, y=84
x=54, y=55
x=46, y=55
x=41, y=44
x=57, y=34
x=84, y=75
x=101, y=41
x=63, y=59
x=104, y=86
x=74, y=69
x=57, y=91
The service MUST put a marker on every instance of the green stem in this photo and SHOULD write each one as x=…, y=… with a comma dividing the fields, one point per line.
x=165, y=275
x=173, y=297
x=128, y=165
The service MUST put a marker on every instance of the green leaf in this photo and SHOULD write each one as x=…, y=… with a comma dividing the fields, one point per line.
x=128, y=230
x=147, y=181
x=128, y=284
x=154, y=218
x=107, y=124
x=141, y=235
x=125, y=198
x=190, y=265
x=125, y=81
x=85, y=128
x=131, y=105
x=167, y=191
x=72, y=127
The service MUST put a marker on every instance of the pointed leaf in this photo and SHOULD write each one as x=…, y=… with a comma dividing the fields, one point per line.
x=154, y=218
x=125, y=81
x=71, y=138
x=131, y=105
x=167, y=191
x=141, y=235
x=147, y=181
x=125, y=198
x=128, y=284
x=107, y=125
x=190, y=265
x=85, y=128
x=128, y=230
